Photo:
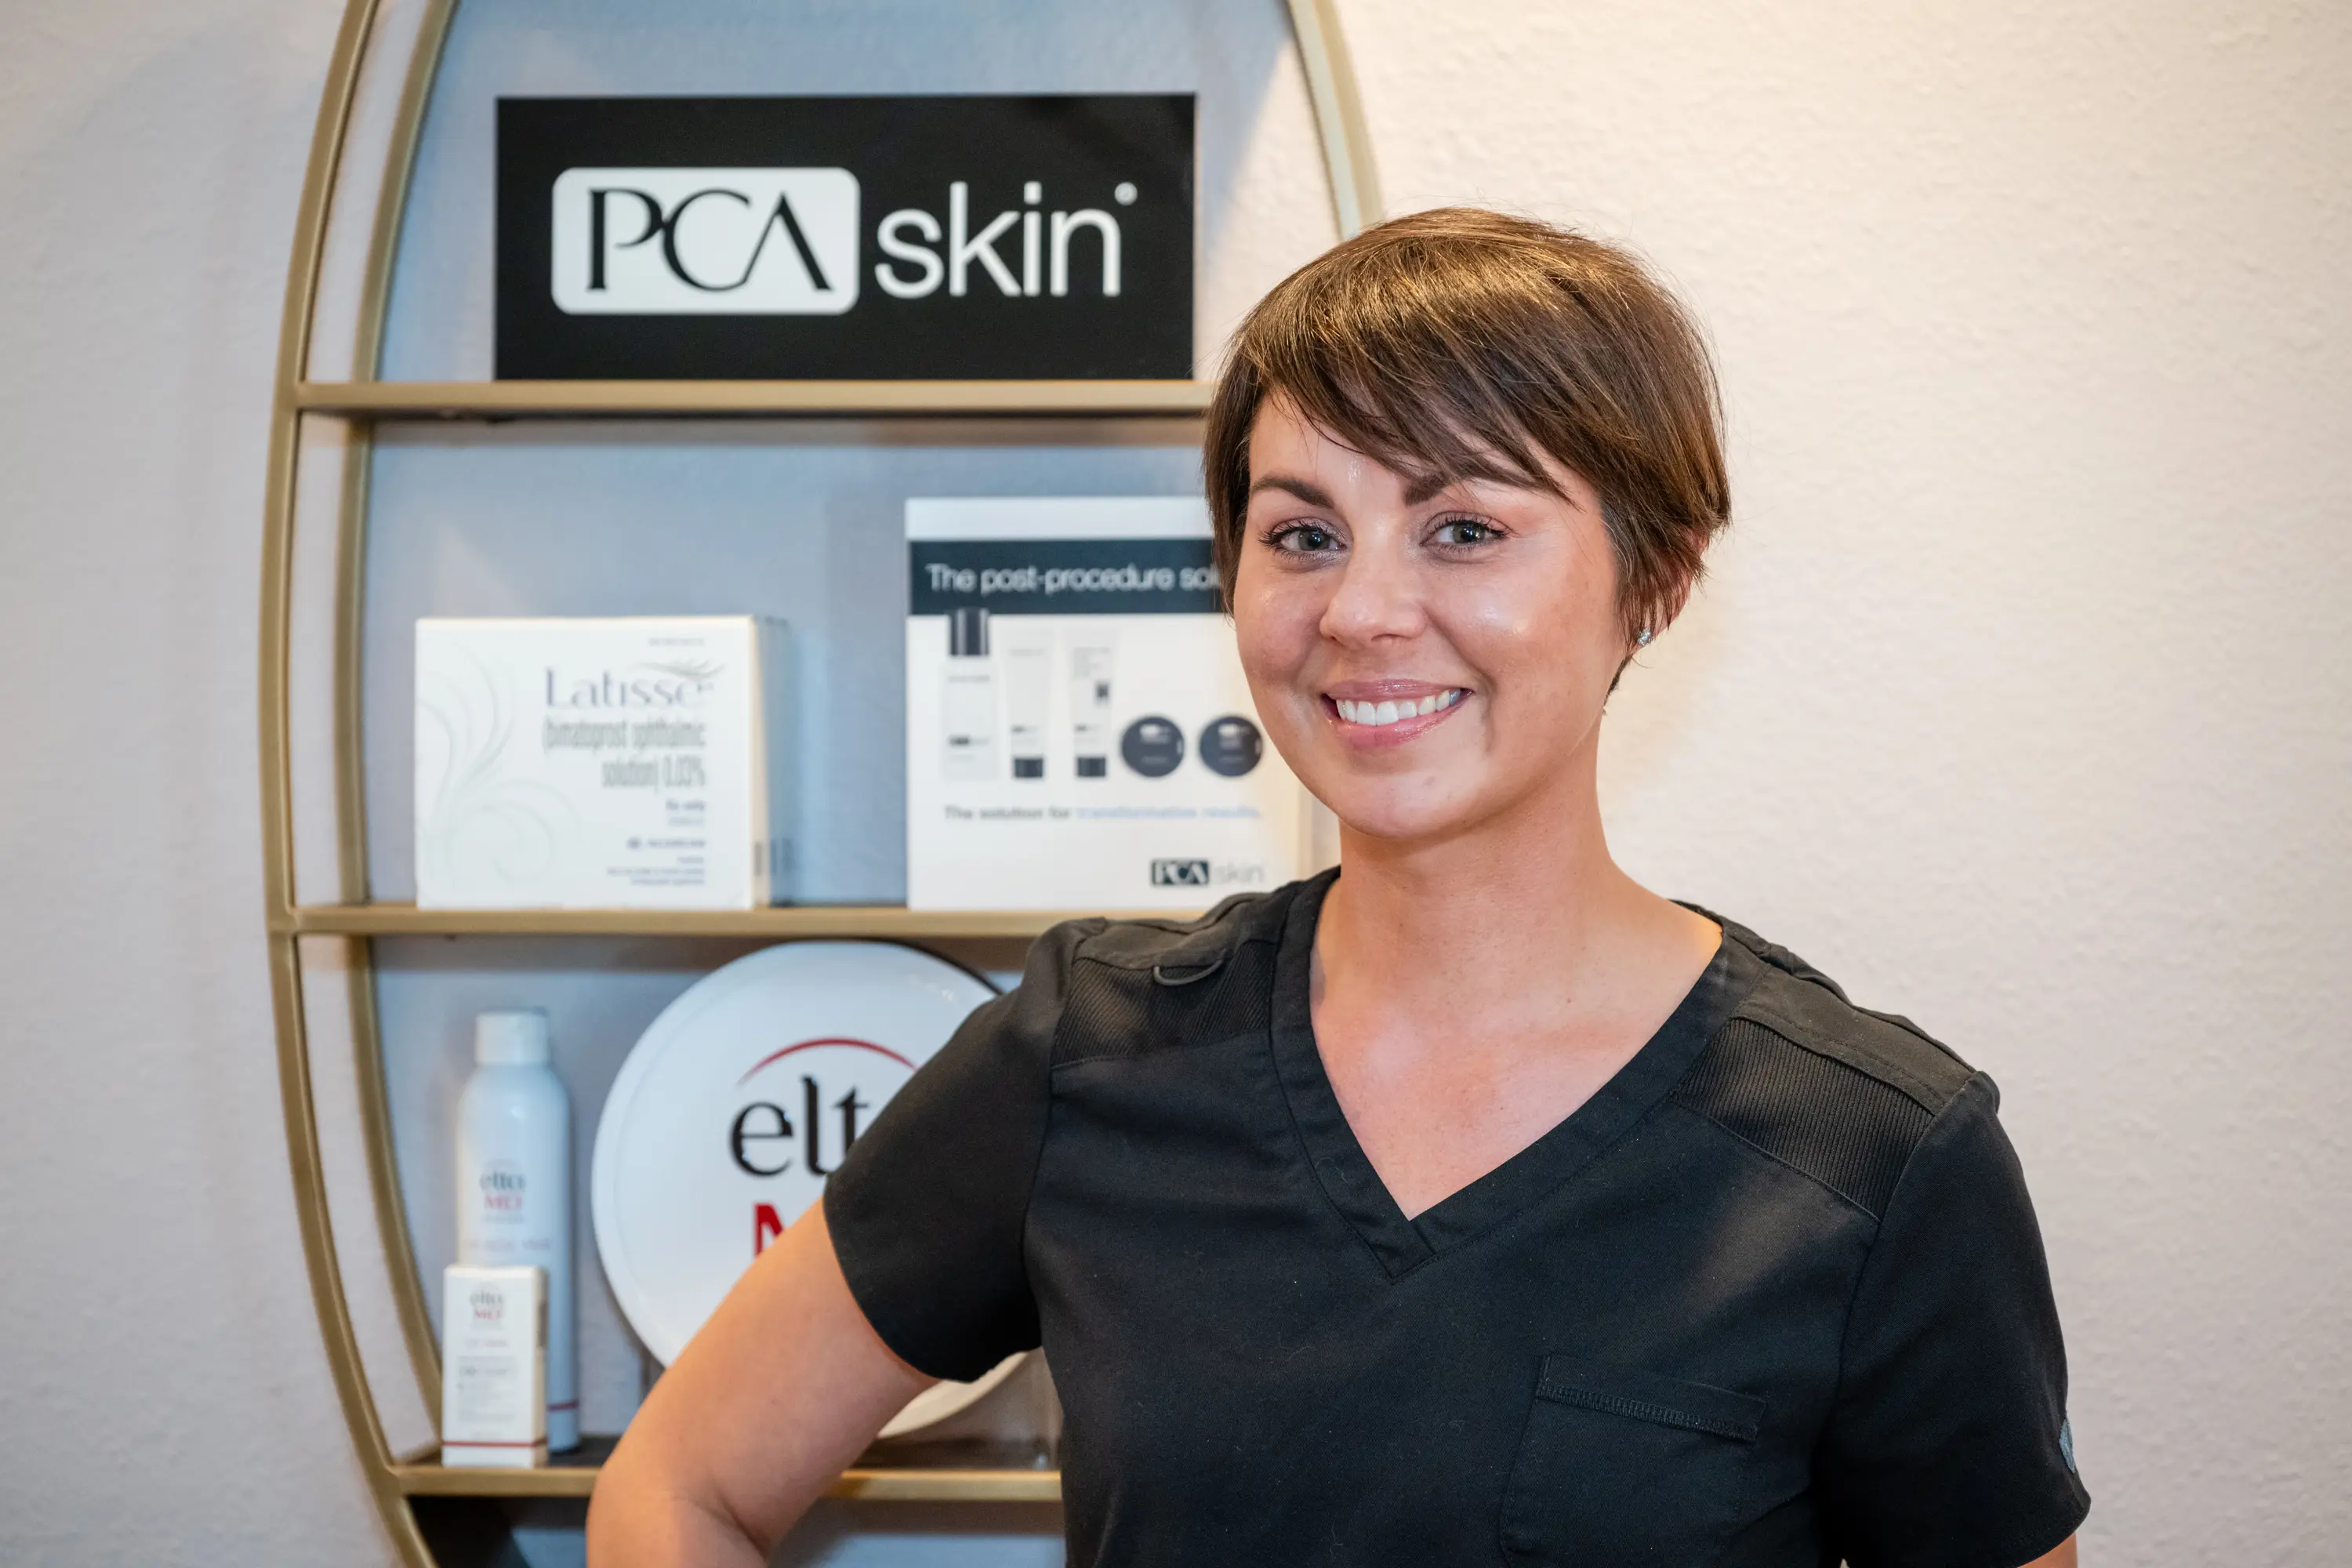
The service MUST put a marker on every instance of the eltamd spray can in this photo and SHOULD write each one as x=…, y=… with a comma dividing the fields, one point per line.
x=514, y=1185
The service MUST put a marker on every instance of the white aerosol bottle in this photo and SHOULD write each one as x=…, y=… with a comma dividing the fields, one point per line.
x=514, y=1185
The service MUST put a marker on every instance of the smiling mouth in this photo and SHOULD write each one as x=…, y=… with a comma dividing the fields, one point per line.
x=1380, y=714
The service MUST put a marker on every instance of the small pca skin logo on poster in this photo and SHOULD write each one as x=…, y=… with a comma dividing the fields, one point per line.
x=982, y=236
x=1208, y=874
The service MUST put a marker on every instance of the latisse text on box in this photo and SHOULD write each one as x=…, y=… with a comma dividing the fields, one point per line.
x=1079, y=734
x=635, y=761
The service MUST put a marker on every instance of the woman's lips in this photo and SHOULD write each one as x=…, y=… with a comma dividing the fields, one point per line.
x=1389, y=711
x=1392, y=718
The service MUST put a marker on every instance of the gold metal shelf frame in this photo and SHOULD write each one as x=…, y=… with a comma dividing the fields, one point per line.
x=382, y=400
x=858, y=1485
x=1007, y=1480
x=360, y=403
x=776, y=922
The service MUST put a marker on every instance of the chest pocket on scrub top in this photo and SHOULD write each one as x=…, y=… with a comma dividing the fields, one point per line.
x=1620, y=1466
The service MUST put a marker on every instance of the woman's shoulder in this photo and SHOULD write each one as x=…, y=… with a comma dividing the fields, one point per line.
x=1145, y=942
x=1120, y=987
x=1843, y=1093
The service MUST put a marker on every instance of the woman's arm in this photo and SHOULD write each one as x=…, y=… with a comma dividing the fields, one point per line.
x=2062, y=1558
x=782, y=1388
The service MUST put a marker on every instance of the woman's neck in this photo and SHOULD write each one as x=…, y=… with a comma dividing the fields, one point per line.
x=1468, y=995
x=1525, y=917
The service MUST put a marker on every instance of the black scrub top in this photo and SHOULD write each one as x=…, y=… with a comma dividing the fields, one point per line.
x=1774, y=1295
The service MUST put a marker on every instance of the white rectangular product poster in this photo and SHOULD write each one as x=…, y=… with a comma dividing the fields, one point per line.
x=1078, y=733
x=620, y=762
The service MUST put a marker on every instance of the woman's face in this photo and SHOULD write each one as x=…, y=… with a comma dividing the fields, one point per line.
x=1426, y=658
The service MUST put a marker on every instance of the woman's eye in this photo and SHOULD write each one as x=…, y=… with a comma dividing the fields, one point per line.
x=1465, y=530
x=1304, y=538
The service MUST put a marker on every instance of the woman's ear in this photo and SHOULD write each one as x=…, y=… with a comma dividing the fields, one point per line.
x=1655, y=616
x=1659, y=616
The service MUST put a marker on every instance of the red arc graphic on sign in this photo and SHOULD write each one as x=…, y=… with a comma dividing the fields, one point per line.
x=812, y=1045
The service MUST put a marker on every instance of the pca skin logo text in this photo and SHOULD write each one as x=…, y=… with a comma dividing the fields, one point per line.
x=988, y=236
x=749, y=242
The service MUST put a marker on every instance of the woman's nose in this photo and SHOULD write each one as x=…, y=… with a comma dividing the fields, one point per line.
x=1377, y=597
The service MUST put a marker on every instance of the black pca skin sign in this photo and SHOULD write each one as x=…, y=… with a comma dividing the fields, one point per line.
x=1078, y=730
x=963, y=238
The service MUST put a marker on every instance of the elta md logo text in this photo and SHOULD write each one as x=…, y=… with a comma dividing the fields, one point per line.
x=849, y=238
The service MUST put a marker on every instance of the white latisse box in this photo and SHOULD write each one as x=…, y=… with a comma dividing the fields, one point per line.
x=1079, y=734
x=493, y=1367
x=635, y=762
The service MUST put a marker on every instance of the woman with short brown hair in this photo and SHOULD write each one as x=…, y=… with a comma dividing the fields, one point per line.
x=1470, y=1203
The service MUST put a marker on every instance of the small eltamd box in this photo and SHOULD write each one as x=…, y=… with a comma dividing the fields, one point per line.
x=493, y=1367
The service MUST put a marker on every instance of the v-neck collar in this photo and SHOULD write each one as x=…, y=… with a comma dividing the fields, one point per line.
x=1356, y=1190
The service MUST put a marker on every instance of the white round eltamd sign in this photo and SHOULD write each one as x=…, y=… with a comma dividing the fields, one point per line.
x=739, y=1101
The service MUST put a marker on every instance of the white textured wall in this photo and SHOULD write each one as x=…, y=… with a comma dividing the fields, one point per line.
x=2020, y=700
x=163, y=1396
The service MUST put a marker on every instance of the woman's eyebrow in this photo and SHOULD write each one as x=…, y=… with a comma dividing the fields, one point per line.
x=1420, y=488
x=1427, y=486
x=1305, y=490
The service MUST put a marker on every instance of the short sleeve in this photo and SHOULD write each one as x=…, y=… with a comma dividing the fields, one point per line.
x=927, y=1209
x=1947, y=1445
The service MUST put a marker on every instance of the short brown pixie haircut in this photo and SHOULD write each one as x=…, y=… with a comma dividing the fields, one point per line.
x=1460, y=344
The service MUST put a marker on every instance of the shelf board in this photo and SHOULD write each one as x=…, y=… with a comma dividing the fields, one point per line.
x=573, y=1475
x=862, y=1486
x=752, y=399
x=781, y=921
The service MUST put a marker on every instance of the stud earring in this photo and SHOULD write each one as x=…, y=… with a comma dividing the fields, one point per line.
x=1642, y=637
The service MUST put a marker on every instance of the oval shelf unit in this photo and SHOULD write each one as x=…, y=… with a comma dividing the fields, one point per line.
x=397, y=65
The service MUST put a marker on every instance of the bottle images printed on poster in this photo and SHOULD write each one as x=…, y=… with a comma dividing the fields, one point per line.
x=1232, y=746
x=1090, y=674
x=1028, y=694
x=514, y=1185
x=968, y=700
x=1152, y=746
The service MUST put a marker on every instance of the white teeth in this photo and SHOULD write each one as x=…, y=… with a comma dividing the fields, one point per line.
x=1377, y=714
